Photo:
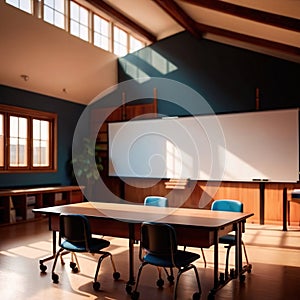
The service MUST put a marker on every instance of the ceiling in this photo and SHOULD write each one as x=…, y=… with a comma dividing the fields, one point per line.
x=71, y=69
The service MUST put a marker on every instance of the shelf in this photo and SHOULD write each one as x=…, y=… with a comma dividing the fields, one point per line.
x=16, y=205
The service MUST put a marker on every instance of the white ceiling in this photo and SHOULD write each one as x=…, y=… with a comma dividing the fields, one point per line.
x=66, y=67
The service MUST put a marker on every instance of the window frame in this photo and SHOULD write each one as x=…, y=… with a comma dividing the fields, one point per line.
x=29, y=114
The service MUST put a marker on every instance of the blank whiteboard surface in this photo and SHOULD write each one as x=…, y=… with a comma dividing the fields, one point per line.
x=261, y=145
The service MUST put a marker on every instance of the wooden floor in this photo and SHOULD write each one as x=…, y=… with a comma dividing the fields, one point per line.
x=274, y=254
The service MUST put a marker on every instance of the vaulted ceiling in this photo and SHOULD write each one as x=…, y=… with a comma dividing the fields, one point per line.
x=69, y=68
x=269, y=26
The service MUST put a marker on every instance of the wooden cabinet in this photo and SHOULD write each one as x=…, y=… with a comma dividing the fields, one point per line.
x=16, y=205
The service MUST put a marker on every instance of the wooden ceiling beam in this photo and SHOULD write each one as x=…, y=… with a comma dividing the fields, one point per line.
x=250, y=39
x=122, y=19
x=180, y=16
x=249, y=13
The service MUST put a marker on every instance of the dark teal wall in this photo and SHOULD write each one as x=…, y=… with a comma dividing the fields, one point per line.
x=68, y=114
x=225, y=76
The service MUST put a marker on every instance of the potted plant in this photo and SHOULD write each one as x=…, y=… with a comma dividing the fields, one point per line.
x=87, y=164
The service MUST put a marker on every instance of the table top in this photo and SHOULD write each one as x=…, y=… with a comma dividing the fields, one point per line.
x=137, y=213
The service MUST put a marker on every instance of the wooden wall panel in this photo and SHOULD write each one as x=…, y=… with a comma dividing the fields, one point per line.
x=274, y=203
x=202, y=194
x=248, y=193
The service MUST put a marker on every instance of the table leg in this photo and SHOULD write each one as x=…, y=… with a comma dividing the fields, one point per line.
x=216, y=267
x=284, y=209
x=131, y=280
x=238, y=249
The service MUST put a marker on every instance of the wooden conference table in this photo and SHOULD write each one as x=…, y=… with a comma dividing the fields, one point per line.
x=194, y=228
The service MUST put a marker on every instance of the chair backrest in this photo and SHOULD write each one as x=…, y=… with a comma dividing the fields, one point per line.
x=156, y=201
x=75, y=228
x=227, y=205
x=158, y=239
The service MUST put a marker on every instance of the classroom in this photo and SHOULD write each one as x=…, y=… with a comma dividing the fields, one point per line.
x=195, y=103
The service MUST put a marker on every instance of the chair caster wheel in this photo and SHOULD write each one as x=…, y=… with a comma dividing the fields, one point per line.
x=96, y=286
x=135, y=295
x=43, y=268
x=116, y=275
x=160, y=283
x=232, y=273
x=171, y=279
x=242, y=278
x=55, y=278
x=249, y=268
x=128, y=289
x=196, y=296
x=211, y=296
x=74, y=267
x=222, y=278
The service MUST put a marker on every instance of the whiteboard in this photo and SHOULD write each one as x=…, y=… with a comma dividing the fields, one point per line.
x=261, y=145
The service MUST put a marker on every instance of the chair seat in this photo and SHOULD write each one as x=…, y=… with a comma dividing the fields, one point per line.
x=227, y=239
x=181, y=259
x=95, y=245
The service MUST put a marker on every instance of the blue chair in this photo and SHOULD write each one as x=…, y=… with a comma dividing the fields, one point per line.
x=160, y=201
x=156, y=201
x=229, y=239
x=158, y=247
x=75, y=236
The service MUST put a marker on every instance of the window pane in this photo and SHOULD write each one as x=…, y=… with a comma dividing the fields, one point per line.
x=60, y=5
x=79, y=21
x=135, y=44
x=120, y=41
x=14, y=124
x=48, y=16
x=1, y=140
x=101, y=33
x=74, y=11
x=22, y=128
x=45, y=130
x=84, y=16
x=54, y=12
x=24, y=5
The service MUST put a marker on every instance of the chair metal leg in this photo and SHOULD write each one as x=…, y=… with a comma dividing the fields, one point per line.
x=227, y=261
x=203, y=255
x=54, y=276
x=246, y=256
x=104, y=255
x=56, y=258
x=112, y=263
x=227, y=258
x=180, y=272
x=139, y=275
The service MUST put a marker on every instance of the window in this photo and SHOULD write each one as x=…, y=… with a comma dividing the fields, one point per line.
x=135, y=44
x=120, y=41
x=79, y=21
x=18, y=141
x=101, y=33
x=25, y=5
x=83, y=23
x=27, y=140
x=40, y=140
x=54, y=12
